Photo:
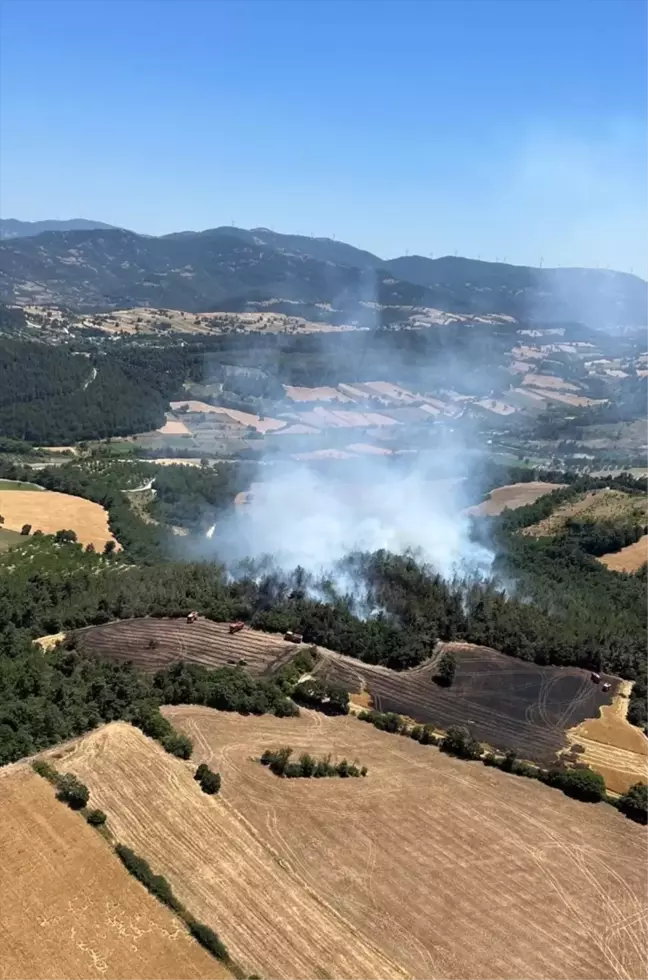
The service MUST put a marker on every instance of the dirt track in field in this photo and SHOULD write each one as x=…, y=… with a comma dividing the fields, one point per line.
x=511, y=497
x=49, y=511
x=429, y=867
x=611, y=745
x=68, y=908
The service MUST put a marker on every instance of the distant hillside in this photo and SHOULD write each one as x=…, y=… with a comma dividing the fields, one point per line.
x=11, y=228
x=598, y=297
x=237, y=270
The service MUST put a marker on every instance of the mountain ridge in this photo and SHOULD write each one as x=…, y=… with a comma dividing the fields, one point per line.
x=235, y=269
x=14, y=228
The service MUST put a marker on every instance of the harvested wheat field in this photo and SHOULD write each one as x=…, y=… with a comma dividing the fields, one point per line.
x=628, y=559
x=49, y=511
x=611, y=745
x=429, y=867
x=595, y=505
x=511, y=497
x=173, y=427
x=68, y=908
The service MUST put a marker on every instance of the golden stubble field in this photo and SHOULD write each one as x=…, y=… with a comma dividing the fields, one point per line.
x=595, y=505
x=428, y=868
x=611, y=745
x=68, y=908
x=511, y=497
x=49, y=511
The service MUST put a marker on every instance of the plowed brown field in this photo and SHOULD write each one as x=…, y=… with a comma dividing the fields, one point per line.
x=68, y=908
x=429, y=867
x=156, y=643
x=508, y=703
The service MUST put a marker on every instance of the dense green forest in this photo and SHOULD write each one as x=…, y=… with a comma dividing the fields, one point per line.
x=55, y=395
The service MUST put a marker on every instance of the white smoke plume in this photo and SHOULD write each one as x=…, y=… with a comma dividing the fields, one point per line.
x=301, y=517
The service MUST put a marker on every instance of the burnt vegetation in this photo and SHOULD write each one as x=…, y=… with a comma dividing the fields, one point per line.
x=568, y=611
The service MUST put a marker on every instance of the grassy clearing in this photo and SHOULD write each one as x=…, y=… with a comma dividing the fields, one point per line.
x=18, y=485
x=8, y=539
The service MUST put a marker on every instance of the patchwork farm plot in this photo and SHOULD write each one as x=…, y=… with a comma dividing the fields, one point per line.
x=379, y=877
x=68, y=907
x=611, y=745
x=595, y=505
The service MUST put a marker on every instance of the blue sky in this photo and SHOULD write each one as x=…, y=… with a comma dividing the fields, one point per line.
x=495, y=128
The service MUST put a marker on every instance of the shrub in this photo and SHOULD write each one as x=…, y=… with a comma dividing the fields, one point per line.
x=210, y=782
x=459, y=741
x=582, y=784
x=634, y=803
x=201, y=771
x=72, y=791
x=156, y=884
x=177, y=744
x=65, y=537
x=45, y=770
x=307, y=764
x=207, y=938
x=446, y=670
x=96, y=818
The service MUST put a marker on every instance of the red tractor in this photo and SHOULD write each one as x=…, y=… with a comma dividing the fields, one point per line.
x=236, y=627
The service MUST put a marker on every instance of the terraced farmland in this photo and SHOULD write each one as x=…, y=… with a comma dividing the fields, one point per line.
x=155, y=643
x=508, y=703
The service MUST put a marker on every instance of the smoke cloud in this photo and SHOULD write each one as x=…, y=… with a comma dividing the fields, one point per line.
x=301, y=517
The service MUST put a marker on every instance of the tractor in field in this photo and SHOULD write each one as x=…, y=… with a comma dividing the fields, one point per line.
x=192, y=617
x=293, y=637
x=236, y=627
x=606, y=686
x=595, y=677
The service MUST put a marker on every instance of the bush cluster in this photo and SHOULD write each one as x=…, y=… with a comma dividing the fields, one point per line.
x=152, y=722
x=329, y=698
x=210, y=782
x=389, y=721
x=278, y=761
x=160, y=887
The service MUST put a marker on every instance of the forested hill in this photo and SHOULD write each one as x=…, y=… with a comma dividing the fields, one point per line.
x=51, y=396
x=234, y=269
